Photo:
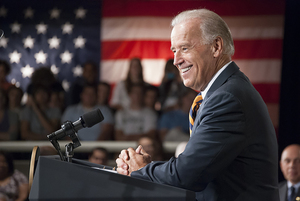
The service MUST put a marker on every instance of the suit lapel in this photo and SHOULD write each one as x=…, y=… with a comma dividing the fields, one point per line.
x=283, y=192
x=231, y=69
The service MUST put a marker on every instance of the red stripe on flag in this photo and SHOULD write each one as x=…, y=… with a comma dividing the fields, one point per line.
x=114, y=8
x=142, y=49
x=258, y=49
x=245, y=49
x=268, y=91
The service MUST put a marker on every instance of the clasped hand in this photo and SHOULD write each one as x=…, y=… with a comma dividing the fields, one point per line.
x=131, y=160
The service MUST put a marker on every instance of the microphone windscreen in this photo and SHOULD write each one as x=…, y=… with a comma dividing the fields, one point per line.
x=92, y=118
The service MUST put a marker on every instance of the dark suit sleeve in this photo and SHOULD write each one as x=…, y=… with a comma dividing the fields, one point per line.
x=216, y=141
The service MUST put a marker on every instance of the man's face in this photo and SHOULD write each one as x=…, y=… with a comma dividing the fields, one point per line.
x=98, y=157
x=290, y=164
x=194, y=61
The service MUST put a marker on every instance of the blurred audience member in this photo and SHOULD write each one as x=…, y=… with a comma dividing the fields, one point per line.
x=15, y=95
x=44, y=76
x=99, y=156
x=88, y=103
x=57, y=98
x=174, y=125
x=37, y=118
x=13, y=183
x=4, y=71
x=89, y=77
x=171, y=87
x=290, y=167
x=120, y=97
x=152, y=147
x=103, y=93
x=135, y=121
x=151, y=98
x=3, y=197
x=9, y=120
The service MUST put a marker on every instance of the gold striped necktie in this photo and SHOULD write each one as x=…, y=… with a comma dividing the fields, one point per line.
x=193, y=111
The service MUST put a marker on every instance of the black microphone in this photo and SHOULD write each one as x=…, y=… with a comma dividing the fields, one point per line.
x=1, y=33
x=68, y=128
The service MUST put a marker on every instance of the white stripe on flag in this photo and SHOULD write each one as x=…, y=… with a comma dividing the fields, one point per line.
x=159, y=28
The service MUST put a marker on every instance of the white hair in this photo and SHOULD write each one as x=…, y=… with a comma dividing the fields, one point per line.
x=211, y=25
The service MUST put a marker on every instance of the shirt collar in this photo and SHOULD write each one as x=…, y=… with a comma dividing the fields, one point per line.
x=204, y=92
x=297, y=185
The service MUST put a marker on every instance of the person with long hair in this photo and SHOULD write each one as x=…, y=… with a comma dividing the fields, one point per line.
x=120, y=98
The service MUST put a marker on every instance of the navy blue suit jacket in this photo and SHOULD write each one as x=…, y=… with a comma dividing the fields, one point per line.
x=232, y=152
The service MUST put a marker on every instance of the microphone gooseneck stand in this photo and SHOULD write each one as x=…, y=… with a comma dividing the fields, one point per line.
x=69, y=130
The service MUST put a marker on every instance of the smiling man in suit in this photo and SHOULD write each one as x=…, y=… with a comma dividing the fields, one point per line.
x=232, y=151
x=290, y=167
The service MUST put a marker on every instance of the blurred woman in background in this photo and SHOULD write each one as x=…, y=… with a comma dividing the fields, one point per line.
x=13, y=183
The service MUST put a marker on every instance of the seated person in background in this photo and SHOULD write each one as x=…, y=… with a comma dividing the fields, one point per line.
x=13, y=183
x=136, y=121
x=153, y=147
x=9, y=120
x=4, y=71
x=174, y=125
x=103, y=95
x=120, y=96
x=3, y=197
x=99, y=156
x=88, y=103
x=89, y=77
x=37, y=118
x=15, y=95
x=290, y=166
x=151, y=98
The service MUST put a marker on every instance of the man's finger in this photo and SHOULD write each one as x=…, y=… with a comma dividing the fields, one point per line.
x=122, y=171
x=138, y=150
x=121, y=164
x=124, y=154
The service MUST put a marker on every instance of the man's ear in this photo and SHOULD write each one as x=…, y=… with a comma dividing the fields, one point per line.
x=217, y=46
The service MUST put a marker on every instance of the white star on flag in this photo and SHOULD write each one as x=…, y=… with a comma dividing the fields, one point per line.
x=66, y=57
x=80, y=13
x=79, y=42
x=3, y=42
x=15, y=57
x=15, y=27
x=41, y=28
x=54, y=42
x=67, y=28
x=40, y=57
x=28, y=42
x=28, y=13
x=27, y=71
x=3, y=11
x=77, y=71
x=54, y=13
x=54, y=69
x=65, y=85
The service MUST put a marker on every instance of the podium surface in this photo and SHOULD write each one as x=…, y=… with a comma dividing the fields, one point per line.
x=80, y=180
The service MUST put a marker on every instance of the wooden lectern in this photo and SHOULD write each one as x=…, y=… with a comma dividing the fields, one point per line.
x=80, y=180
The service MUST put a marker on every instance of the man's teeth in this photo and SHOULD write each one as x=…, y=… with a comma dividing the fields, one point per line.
x=185, y=69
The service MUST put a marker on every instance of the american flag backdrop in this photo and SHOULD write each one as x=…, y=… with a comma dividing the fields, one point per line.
x=60, y=34
x=131, y=28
